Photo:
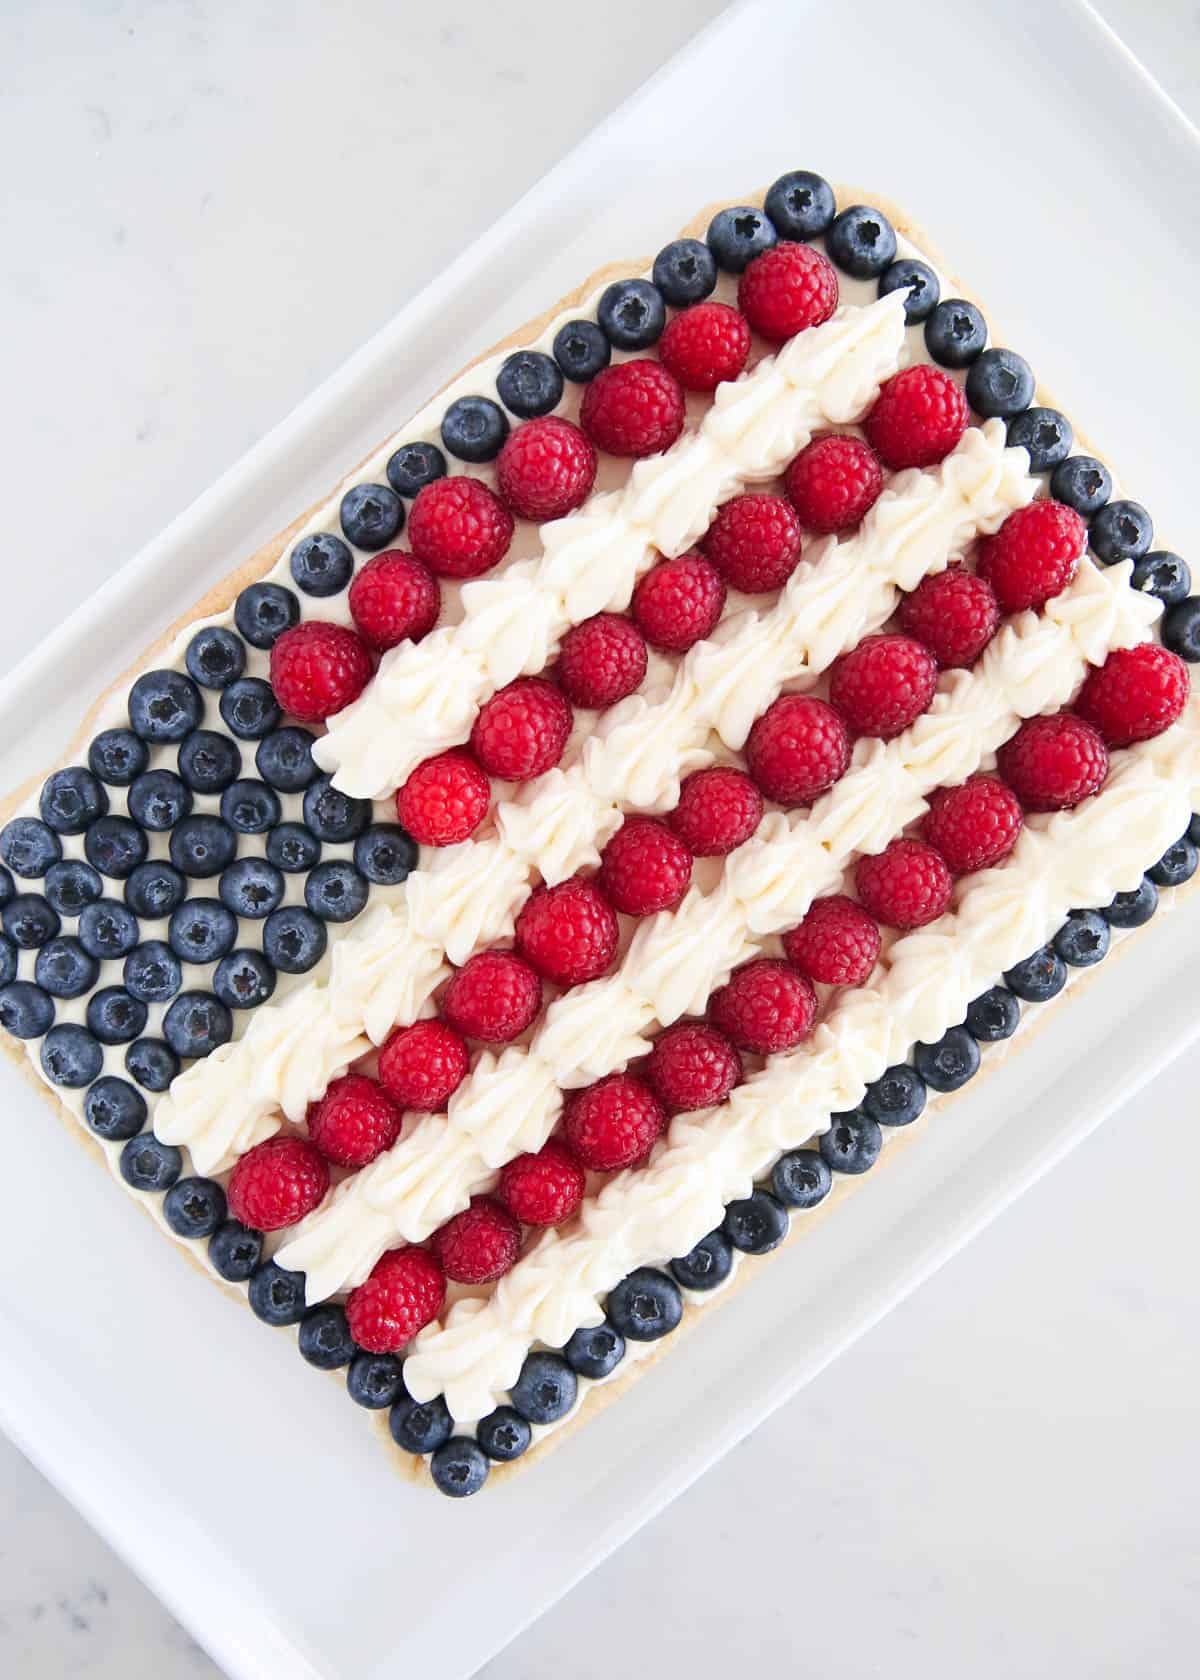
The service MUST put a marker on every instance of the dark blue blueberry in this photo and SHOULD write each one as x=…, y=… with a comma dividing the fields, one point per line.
x=706, y=1265
x=197, y=1024
x=335, y=891
x=1180, y=629
x=152, y=973
x=7, y=885
x=596, y=1351
x=250, y=709
x=325, y=1339
x=115, y=846
x=203, y=846
x=756, y=1223
x=897, y=1097
x=250, y=807
x=1038, y=978
x=644, y=1306
x=1176, y=865
x=322, y=565
x=263, y=611
x=1121, y=531
x=1133, y=909
x=70, y=885
x=993, y=1015
x=852, y=1143
x=25, y=1009
x=459, y=1468
x=215, y=657
x=29, y=921
x=862, y=241
x=529, y=383
x=1083, y=939
x=164, y=706
x=117, y=756
x=244, y=979
x=293, y=848
x=146, y=1164
x=736, y=236
x=474, y=428
x=1193, y=829
x=948, y=1064
x=800, y=204
x=374, y=1380
x=1000, y=383
x=294, y=939
x=71, y=799
x=371, y=514
x=194, y=1207
x=114, y=1017
x=251, y=887
x=332, y=815
x=209, y=762
x=955, y=333
x=1045, y=433
x=201, y=930
x=420, y=1426
x=28, y=847
x=158, y=799
x=685, y=271
x=8, y=961
x=152, y=1063
x=108, y=929
x=276, y=1295
x=284, y=760
x=235, y=1251
x=801, y=1178
x=546, y=1388
x=114, y=1110
x=918, y=280
x=581, y=350
x=64, y=968
x=631, y=314
x=1083, y=483
x=71, y=1056
x=1164, y=575
x=386, y=854
x=155, y=889
x=503, y=1434
x=413, y=466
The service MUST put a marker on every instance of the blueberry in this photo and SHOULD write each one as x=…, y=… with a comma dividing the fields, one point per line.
x=581, y=350
x=1083, y=483
x=29, y=921
x=503, y=1434
x=948, y=1064
x=1164, y=575
x=735, y=237
x=862, y=241
x=152, y=1063
x=1083, y=939
x=704, y=1266
x=336, y=891
x=325, y=1339
x=8, y=886
x=756, y=1223
x=1180, y=629
x=1133, y=909
x=114, y=1017
x=194, y=1207
x=374, y=1380
x=115, y=846
x=244, y=979
x=474, y=428
x=644, y=1306
x=459, y=1468
x=546, y=1388
x=852, y=1143
x=251, y=887
x=321, y=564
x=250, y=709
x=333, y=815
x=1193, y=829
x=201, y=930
x=420, y=1426
x=631, y=314
x=25, y=1009
x=152, y=973
x=1121, y=531
x=209, y=762
x=897, y=1097
x=284, y=759
x=276, y=1296
x=1045, y=433
x=801, y=1178
x=8, y=961
x=234, y=1251
x=293, y=848
x=1000, y=383
x=164, y=706
x=250, y=807
x=114, y=1110
x=955, y=333
x=263, y=611
x=108, y=929
x=197, y=1024
x=413, y=466
x=117, y=756
x=203, y=846
x=1176, y=865
x=596, y=1351
x=918, y=280
x=1038, y=978
x=71, y=799
x=386, y=854
x=64, y=968
x=71, y=1056
x=685, y=272
x=529, y=383
x=28, y=847
x=70, y=885
x=371, y=515
x=215, y=657
x=993, y=1015
x=800, y=204
x=294, y=939
x=158, y=799
x=147, y=1164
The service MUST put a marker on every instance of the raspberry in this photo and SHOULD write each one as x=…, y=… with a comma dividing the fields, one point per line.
x=766, y=1007
x=1033, y=555
x=444, y=799
x=754, y=542
x=494, y=996
x=403, y=1294
x=1136, y=694
x=883, y=684
x=705, y=345
x=692, y=1066
x=459, y=528
x=317, y=668
x=786, y=289
x=834, y=483
x=918, y=417
x=546, y=468
x=568, y=932
x=601, y=661
x=355, y=1121
x=975, y=825
x=1053, y=762
x=542, y=1189
x=797, y=749
x=836, y=943
x=954, y=613
x=613, y=1123
x=522, y=730
x=277, y=1182
x=633, y=409
x=718, y=809
x=906, y=886
x=394, y=598
x=479, y=1244
x=423, y=1065
x=644, y=868
x=678, y=603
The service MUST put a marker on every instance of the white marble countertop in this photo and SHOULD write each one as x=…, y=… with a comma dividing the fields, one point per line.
x=1002, y=1477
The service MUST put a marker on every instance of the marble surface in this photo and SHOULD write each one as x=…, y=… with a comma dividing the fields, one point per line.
x=1002, y=1477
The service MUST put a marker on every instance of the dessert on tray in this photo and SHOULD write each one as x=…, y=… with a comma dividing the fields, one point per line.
x=668, y=767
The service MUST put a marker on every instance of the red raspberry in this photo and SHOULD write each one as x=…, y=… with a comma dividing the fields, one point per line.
x=546, y=468
x=479, y=1244
x=678, y=603
x=954, y=613
x=613, y=1123
x=394, y=598
x=568, y=932
x=317, y=668
x=918, y=418
x=754, y=542
x=834, y=483
x=836, y=943
x=718, y=809
x=797, y=749
x=704, y=345
x=786, y=289
x=906, y=886
x=522, y=730
x=444, y=799
x=601, y=661
x=494, y=996
x=355, y=1121
x=766, y=1007
x=459, y=528
x=423, y=1065
x=692, y=1066
x=1136, y=694
x=633, y=409
x=883, y=684
x=1034, y=555
x=277, y=1182
x=403, y=1294
x=975, y=825
x=1053, y=762
x=644, y=868
x=542, y=1189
